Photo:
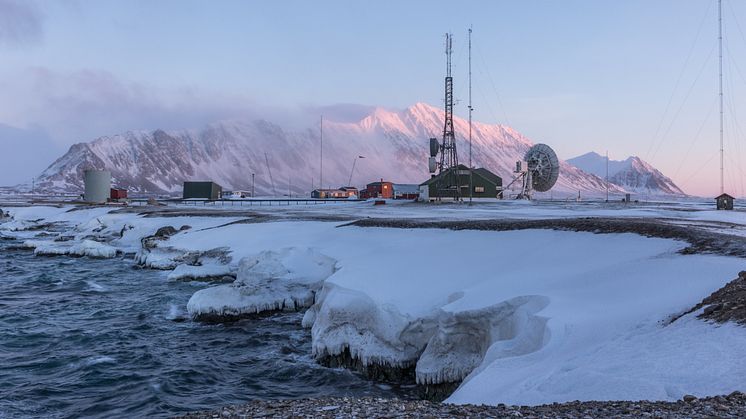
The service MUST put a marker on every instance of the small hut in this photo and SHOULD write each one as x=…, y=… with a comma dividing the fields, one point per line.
x=724, y=202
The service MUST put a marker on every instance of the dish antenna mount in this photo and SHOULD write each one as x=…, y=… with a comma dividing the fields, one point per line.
x=538, y=171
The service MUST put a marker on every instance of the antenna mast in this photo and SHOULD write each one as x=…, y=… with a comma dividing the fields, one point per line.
x=448, y=155
x=321, y=154
x=720, y=80
x=607, y=175
x=266, y=160
x=471, y=167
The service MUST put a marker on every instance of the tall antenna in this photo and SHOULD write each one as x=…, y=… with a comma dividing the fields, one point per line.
x=607, y=175
x=471, y=167
x=321, y=154
x=448, y=156
x=266, y=160
x=720, y=79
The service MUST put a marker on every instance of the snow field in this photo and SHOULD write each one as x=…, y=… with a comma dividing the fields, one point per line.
x=522, y=317
x=510, y=297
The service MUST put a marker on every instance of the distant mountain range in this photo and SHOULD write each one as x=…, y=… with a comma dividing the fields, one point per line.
x=393, y=144
x=633, y=174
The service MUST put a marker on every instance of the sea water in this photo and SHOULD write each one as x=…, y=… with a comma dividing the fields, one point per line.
x=91, y=337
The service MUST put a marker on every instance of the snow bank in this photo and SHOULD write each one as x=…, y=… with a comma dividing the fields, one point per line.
x=647, y=362
x=451, y=304
x=202, y=272
x=522, y=317
x=286, y=279
x=88, y=248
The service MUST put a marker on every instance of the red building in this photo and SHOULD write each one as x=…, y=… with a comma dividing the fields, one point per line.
x=118, y=194
x=380, y=189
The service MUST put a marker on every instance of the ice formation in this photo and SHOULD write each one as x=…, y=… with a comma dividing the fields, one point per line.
x=285, y=279
x=85, y=247
x=201, y=272
x=463, y=338
x=344, y=319
x=444, y=346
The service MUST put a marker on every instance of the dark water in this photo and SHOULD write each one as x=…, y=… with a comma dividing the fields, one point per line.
x=84, y=337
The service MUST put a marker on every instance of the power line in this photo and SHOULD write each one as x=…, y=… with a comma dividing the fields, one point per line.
x=686, y=97
x=696, y=136
x=678, y=80
x=494, y=89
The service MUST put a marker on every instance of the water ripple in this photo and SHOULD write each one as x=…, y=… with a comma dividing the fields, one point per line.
x=96, y=338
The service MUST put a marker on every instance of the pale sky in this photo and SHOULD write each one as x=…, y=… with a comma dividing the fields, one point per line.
x=634, y=77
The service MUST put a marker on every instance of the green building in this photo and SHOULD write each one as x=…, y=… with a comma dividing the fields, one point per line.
x=202, y=190
x=486, y=184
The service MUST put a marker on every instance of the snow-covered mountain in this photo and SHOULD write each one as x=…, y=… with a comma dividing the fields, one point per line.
x=632, y=174
x=394, y=144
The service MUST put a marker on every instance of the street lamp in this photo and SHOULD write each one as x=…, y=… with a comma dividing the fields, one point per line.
x=349, y=182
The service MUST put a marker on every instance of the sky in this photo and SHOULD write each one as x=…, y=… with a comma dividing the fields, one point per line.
x=633, y=77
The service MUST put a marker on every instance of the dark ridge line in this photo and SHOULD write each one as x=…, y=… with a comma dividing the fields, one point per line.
x=700, y=241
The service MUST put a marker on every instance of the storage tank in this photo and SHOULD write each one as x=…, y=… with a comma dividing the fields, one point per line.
x=97, y=185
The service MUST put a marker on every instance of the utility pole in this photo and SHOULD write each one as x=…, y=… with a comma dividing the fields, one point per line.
x=471, y=166
x=720, y=79
x=252, y=186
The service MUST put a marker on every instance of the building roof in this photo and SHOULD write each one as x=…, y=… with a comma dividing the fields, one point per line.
x=200, y=182
x=493, y=178
x=724, y=195
x=379, y=183
x=406, y=188
x=481, y=172
x=328, y=190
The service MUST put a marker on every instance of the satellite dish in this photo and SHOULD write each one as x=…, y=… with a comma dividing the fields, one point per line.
x=543, y=166
x=432, y=166
x=434, y=147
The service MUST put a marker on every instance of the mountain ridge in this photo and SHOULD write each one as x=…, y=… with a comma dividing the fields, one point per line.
x=633, y=174
x=394, y=144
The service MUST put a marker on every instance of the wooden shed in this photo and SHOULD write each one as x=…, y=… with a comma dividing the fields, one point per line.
x=724, y=202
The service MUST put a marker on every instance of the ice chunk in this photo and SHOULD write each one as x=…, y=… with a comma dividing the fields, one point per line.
x=374, y=334
x=286, y=279
x=86, y=247
x=203, y=272
x=463, y=338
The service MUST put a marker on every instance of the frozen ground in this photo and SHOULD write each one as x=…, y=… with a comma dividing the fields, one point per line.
x=523, y=317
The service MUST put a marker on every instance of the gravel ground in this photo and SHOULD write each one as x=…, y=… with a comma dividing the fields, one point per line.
x=731, y=406
x=700, y=240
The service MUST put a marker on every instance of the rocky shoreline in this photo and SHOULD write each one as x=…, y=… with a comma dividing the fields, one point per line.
x=730, y=406
x=724, y=305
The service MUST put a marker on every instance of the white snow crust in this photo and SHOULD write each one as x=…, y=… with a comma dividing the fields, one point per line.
x=286, y=279
x=522, y=317
x=195, y=273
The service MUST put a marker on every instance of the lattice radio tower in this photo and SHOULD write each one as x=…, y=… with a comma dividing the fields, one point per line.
x=448, y=154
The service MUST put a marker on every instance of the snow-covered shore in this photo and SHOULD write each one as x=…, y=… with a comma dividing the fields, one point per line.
x=521, y=317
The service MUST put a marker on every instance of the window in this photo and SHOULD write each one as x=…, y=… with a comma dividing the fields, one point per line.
x=479, y=189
